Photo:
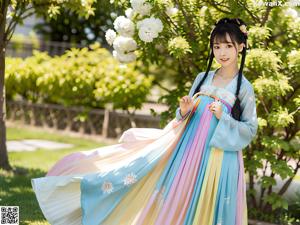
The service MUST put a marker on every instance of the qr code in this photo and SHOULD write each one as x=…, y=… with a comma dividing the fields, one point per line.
x=9, y=215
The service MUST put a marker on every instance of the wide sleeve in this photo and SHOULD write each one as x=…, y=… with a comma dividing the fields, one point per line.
x=233, y=135
x=191, y=92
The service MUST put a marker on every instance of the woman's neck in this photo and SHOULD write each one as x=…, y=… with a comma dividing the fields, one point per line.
x=228, y=72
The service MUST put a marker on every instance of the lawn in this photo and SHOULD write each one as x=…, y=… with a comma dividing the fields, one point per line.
x=16, y=190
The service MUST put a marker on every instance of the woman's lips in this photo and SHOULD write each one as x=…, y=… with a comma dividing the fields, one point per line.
x=224, y=60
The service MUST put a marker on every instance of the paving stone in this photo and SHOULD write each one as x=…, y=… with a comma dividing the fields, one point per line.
x=34, y=144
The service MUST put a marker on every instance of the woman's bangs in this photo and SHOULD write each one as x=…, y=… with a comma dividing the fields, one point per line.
x=222, y=38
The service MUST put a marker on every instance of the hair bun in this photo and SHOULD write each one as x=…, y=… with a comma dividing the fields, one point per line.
x=223, y=21
x=236, y=21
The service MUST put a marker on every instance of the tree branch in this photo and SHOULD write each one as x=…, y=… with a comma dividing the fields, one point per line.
x=273, y=37
x=255, y=18
x=214, y=5
x=262, y=188
x=168, y=19
x=264, y=105
x=266, y=15
x=162, y=87
x=188, y=20
x=289, y=181
x=291, y=95
x=22, y=9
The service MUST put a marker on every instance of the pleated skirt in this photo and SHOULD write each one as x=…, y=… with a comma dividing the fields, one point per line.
x=168, y=176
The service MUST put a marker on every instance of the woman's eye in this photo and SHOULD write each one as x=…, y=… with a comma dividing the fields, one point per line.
x=229, y=46
x=216, y=47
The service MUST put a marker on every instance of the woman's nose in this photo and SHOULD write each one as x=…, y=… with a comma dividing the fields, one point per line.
x=222, y=52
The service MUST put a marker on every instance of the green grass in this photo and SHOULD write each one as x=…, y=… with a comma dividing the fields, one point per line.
x=16, y=189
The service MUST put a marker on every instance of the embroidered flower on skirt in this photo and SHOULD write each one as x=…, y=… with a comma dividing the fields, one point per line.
x=107, y=187
x=129, y=179
x=227, y=200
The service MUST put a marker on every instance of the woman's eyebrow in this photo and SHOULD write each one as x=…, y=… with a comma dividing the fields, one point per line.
x=217, y=43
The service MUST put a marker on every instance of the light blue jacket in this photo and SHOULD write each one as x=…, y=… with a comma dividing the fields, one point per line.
x=231, y=134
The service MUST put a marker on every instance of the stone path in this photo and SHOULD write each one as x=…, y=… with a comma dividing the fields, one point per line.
x=34, y=144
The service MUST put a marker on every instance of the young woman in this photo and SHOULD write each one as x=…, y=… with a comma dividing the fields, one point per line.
x=189, y=173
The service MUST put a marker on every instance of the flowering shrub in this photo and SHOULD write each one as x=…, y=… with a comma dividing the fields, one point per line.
x=82, y=77
x=138, y=23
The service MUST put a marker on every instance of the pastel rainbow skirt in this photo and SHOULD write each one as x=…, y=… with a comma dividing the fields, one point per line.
x=168, y=176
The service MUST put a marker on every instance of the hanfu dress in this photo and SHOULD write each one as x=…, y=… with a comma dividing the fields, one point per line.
x=191, y=172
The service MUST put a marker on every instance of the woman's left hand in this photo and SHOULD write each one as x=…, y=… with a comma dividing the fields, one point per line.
x=216, y=108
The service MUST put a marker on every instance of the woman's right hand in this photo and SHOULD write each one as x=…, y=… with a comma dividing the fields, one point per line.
x=186, y=104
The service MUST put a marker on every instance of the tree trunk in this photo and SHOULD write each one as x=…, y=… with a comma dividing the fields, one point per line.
x=4, y=163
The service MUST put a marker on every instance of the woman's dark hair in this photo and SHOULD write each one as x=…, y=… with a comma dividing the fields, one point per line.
x=232, y=27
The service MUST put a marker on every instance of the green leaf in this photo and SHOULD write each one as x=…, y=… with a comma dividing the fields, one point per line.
x=276, y=201
x=267, y=181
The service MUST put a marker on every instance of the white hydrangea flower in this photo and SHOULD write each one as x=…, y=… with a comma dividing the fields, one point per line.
x=291, y=12
x=107, y=187
x=129, y=13
x=146, y=34
x=149, y=28
x=124, y=26
x=113, y=15
x=171, y=11
x=124, y=44
x=141, y=7
x=124, y=57
x=110, y=36
x=129, y=179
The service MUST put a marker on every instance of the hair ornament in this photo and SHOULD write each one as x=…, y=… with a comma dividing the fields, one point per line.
x=244, y=29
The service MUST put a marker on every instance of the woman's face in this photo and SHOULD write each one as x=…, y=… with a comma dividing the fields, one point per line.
x=225, y=53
